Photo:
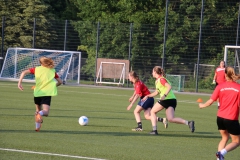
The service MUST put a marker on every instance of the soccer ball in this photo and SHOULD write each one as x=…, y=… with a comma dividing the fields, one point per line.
x=83, y=120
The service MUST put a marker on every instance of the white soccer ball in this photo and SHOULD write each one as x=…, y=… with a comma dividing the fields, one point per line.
x=83, y=120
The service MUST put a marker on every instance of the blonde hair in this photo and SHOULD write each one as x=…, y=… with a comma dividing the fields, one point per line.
x=46, y=62
x=231, y=75
x=134, y=75
x=159, y=70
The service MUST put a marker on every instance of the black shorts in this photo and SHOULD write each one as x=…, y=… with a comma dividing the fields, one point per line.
x=168, y=103
x=232, y=126
x=42, y=100
x=146, y=104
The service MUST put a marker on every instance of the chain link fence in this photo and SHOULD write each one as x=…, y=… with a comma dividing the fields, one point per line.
x=188, y=46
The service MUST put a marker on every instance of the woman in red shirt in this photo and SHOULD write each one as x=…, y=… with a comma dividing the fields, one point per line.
x=228, y=94
x=140, y=91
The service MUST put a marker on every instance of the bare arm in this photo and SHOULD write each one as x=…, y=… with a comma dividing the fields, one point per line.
x=133, y=101
x=206, y=104
x=131, y=98
x=59, y=81
x=21, y=78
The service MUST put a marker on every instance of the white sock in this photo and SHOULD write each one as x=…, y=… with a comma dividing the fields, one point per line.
x=38, y=125
x=41, y=113
x=186, y=122
x=223, y=152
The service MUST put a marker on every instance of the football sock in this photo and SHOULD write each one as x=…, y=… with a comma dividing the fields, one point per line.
x=139, y=124
x=223, y=152
x=186, y=122
x=38, y=125
x=159, y=119
x=154, y=128
x=41, y=113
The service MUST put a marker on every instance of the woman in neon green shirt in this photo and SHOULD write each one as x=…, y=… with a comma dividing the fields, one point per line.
x=46, y=87
x=167, y=101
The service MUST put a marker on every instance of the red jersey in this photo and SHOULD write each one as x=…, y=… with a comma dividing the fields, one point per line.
x=229, y=98
x=141, y=89
x=220, y=72
x=32, y=71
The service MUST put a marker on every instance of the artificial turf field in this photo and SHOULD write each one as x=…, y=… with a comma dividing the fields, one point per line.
x=108, y=134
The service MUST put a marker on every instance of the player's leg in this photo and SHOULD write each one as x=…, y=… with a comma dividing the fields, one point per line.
x=156, y=108
x=136, y=112
x=46, y=101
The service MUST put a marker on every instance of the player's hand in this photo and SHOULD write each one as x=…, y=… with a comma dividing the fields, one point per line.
x=130, y=99
x=129, y=107
x=144, y=98
x=201, y=105
x=20, y=87
x=213, y=82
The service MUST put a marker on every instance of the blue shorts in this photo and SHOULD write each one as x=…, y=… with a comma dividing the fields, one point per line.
x=147, y=103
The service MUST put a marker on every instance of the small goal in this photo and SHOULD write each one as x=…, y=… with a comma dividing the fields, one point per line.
x=67, y=63
x=112, y=71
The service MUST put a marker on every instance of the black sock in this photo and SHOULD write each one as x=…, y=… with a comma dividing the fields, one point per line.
x=160, y=119
x=139, y=124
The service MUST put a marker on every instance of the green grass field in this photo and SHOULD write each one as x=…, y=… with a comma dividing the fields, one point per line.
x=108, y=134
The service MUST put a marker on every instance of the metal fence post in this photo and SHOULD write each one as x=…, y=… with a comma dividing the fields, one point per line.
x=34, y=29
x=65, y=36
x=199, y=45
x=165, y=34
x=97, y=48
x=2, y=47
x=130, y=49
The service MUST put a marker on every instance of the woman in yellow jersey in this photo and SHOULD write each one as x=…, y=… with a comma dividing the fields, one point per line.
x=167, y=101
x=46, y=87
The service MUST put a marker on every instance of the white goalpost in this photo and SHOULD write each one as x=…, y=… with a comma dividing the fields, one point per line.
x=116, y=74
x=231, y=57
x=67, y=63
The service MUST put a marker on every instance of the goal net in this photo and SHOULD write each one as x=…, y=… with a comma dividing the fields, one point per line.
x=177, y=82
x=67, y=63
x=111, y=71
x=231, y=57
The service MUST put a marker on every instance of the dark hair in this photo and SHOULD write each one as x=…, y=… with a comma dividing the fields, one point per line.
x=159, y=70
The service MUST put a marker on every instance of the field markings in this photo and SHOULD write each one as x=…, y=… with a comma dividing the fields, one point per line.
x=51, y=154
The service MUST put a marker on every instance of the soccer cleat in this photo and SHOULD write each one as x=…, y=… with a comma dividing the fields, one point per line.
x=165, y=122
x=219, y=156
x=38, y=118
x=38, y=129
x=137, y=129
x=191, y=126
x=154, y=132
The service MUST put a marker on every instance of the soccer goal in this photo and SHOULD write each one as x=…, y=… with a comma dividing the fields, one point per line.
x=112, y=71
x=231, y=57
x=177, y=82
x=67, y=63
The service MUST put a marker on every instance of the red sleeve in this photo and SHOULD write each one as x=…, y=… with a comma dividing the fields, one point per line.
x=215, y=94
x=163, y=81
x=32, y=70
x=56, y=75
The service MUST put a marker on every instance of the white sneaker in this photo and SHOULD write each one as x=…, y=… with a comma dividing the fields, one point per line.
x=165, y=122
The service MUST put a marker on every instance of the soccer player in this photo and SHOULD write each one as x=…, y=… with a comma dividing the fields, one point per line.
x=167, y=101
x=228, y=94
x=219, y=76
x=140, y=91
x=46, y=87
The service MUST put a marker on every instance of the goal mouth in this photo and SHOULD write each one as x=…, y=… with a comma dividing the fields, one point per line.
x=231, y=57
x=67, y=63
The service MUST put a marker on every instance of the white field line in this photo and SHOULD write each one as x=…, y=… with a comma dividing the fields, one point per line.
x=51, y=154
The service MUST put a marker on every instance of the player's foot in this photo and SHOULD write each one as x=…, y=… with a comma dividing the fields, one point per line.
x=154, y=132
x=219, y=156
x=137, y=129
x=38, y=129
x=38, y=118
x=191, y=126
x=165, y=122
